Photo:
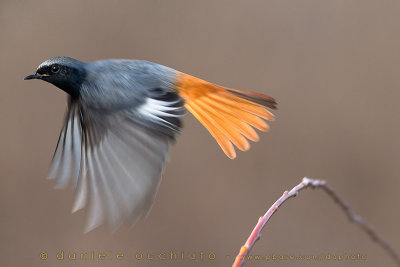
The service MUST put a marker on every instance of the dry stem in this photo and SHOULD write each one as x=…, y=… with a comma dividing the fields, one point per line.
x=306, y=182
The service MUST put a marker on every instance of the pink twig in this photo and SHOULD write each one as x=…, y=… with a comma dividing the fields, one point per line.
x=306, y=182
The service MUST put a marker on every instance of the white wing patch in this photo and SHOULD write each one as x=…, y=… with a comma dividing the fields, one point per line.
x=157, y=109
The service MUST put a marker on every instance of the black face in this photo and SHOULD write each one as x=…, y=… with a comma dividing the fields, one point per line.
x=49, y=70
x=65, y=73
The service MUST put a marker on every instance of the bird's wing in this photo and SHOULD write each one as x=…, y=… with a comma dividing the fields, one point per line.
x=115, y=159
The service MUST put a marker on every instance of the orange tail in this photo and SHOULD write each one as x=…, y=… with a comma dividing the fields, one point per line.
x=226, y=113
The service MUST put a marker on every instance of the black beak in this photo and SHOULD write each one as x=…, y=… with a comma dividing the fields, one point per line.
x=33, y=76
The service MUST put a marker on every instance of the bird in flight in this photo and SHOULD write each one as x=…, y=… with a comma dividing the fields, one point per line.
x=121, y=117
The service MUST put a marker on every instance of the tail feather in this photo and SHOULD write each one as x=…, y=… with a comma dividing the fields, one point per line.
x=220, y=121
x=243, y=104
x=221, y=139
x=241, y=124
x=259, y=98
x=228, y=114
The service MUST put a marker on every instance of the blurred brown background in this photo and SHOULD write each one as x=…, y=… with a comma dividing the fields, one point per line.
x=333, y=66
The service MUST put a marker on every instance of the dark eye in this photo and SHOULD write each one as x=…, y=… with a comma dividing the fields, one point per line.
x=55, y=68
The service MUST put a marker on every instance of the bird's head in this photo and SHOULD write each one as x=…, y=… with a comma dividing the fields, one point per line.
x=64, y=72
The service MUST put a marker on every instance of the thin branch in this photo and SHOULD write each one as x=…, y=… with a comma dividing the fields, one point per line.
x=306, y=182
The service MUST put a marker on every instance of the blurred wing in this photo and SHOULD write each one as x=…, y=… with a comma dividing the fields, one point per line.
x=116, y=158
x=65, y=165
